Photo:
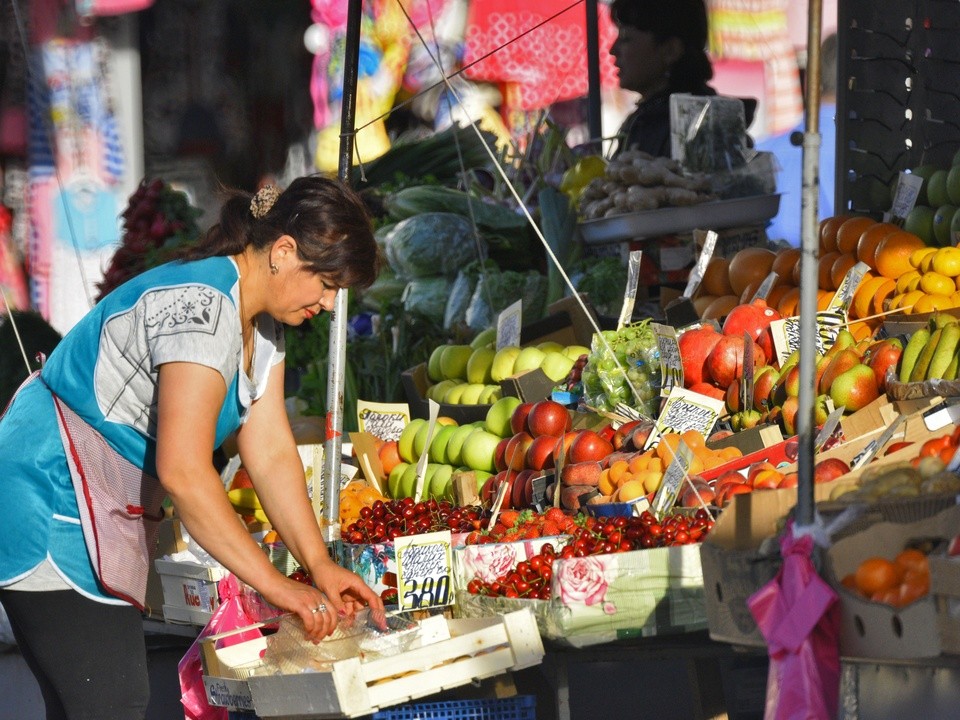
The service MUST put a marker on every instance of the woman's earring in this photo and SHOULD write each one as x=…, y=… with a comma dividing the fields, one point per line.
x=274, y=269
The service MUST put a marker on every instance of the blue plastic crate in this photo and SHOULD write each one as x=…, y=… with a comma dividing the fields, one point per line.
x=519, y=707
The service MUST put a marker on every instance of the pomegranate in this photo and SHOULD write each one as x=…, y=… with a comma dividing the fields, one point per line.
x=725, y=361
x=753, y=318
x=695, y=347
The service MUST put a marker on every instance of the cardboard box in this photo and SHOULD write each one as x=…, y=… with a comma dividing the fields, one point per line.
x=415, y=385
x=189, y=591
x=451, y=653
x=877, y=630
x=529, y=386
x=566, y=322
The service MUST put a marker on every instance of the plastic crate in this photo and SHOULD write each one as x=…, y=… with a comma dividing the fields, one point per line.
x=519, y=707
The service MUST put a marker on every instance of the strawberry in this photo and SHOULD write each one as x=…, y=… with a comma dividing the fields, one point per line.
x=550, y=528
x=531, y=533
x=555, y=514
x=508, y=518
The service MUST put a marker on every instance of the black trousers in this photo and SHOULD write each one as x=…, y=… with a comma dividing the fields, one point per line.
x=89, y=658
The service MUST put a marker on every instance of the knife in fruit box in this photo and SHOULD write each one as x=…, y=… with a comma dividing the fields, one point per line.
x=826, y=432
x=867, y=454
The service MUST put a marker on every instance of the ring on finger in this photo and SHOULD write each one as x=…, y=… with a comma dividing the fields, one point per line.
x=319, y=608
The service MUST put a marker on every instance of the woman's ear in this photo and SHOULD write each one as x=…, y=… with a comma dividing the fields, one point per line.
x=284, y=249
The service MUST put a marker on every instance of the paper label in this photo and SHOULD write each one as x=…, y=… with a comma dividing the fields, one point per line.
x=696, y=275
x=424, y=570
x=425, y=457
x=904, y=198
x=630, y=292
x=669, y=489
x=502, y=491
x=840, y=302
x=382, y=420
x=685, y=410
x=508, y=326
x=671, y=365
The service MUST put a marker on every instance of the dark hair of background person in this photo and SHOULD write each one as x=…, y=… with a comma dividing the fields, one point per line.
x=327, y=219
x=684, y=19
x=828, y=66
x=37, y=336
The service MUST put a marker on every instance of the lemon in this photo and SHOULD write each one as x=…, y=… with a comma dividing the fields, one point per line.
x=909, y=299
x=933, y=283
x=583, y=171
x=929, y=303
x=917, y=256
x=903, y=282
x=946, y=261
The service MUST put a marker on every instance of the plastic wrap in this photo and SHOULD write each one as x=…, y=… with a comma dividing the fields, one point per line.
x=632, y=355
x=708, y=133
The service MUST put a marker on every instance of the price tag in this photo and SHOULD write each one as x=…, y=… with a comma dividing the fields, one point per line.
x=509, y=322
x=786, y=333
x=696, y=275
x=630, y=292
x=382, y=420
x=425, y=457
x=424, y=570
x=669, y=489
x=765, y=287
x=671, y=365
x=685, y=410
x=904, y=198
x=840, y=302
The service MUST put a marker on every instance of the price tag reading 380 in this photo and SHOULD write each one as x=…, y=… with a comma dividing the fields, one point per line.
x=424, y=570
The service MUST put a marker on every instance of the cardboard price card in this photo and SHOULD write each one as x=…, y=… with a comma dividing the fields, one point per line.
x=786, y=333
x=685, y=410
x=671, y=366
x=382, y=420
x=509, y=322
x=424, y=570
x=840, y=302
x=904, y=197
x=696, y=275
x=630, y=291
x=434, y=411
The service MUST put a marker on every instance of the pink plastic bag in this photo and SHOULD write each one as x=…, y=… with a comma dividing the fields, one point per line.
x=233, y=613
x=799, y=616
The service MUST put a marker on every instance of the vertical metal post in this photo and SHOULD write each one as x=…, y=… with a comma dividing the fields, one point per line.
x=809, y=244
x=594, y=121
x=338, y=321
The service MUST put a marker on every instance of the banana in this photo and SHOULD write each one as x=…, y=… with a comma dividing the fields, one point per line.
x=942, y=319
x=926, y=355
x=951, y=372
x=945, y=352
x=911, y=352
x=244, y=499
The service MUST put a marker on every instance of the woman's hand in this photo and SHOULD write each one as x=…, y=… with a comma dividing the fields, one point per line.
x=346, y=593
x=312, y=606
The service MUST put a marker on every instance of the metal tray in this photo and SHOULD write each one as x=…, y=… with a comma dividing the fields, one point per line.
x=667, y=221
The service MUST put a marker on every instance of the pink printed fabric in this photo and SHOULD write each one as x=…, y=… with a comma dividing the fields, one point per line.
x=120, y=508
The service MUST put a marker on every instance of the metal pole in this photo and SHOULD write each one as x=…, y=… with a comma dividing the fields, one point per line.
x=338, y=321
x=594, y=123
x=809, y=244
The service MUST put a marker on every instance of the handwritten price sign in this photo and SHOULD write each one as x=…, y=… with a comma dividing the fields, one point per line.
x=424, y=570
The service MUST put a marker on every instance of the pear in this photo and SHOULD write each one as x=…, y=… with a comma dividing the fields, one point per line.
x=528, y=359
x=433, y=364
x=575, y=351
x=484, y=338
x=854, y=388
x=556, y=366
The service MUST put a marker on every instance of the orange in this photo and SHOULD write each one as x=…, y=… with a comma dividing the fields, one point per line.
x=716, y=278
x=930, y=303
x=870, y=239
x=702, y=302
x=776, y=295
x=785, y=261
x=884, y=291
x=839, y=269
x=863, y=297
x=848, y=234
x=389, y=456
x=693, y=439
x=828, y=231
x=909, y=300
x=876, y=574
x=749, y=265
x=720, y=307
x=787, y=307
x=823, y=270
x=894, y=251
x=913, y=559
x=918, y=255
x=946, y=261
x=730, y=452
x=903, y=282
x=933, y=283
x=861, y=330
x=823, y=299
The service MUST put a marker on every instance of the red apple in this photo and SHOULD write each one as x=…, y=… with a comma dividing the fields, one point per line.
x=515, y=454
x=540, y=452
x=589, y=446
x=695, y=346
x=548, y=417
x=897, y=446
x=561, y=448
x=500, y=455
x=518, y=420
x=829, y=469
x=518, y=491
x=883, y=356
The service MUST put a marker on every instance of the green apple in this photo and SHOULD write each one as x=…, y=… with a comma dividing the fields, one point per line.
x=452, y=396
x=437, y=391
x=405, y=442
x=498, y=416
x=438, y=446
x=550, y=346
x=455, y=444
x=503, y=362
x=490, y=394
x=485, y=338
x=479, y=365
x=407, y=482
x=440, y=483
x=421, y=441
x=471, y=394
x=556, y=366
x=393, y=480
x=528, y=359
x=453, y=361
x=479, y=449
x=575, y=351
x=433, y=364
